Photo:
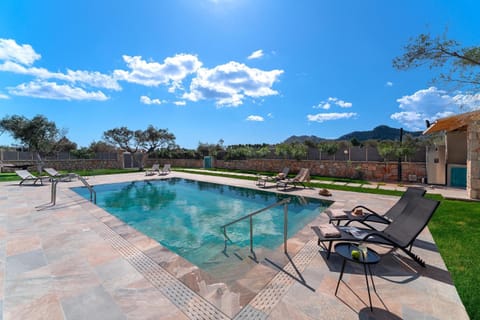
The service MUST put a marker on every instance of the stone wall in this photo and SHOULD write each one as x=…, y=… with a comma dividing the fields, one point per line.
x=473, y=160
x=69, y=165
x=373, y=171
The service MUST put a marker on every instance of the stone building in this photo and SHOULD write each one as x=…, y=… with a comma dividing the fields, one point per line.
x=462, y=145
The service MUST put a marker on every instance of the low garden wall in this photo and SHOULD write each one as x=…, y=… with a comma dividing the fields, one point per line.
x=371, y=170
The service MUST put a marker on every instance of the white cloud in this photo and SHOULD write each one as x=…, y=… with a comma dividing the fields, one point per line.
x=389, y=84
x=172, y=71
x=94, y=79
x=340, y=103
x=431, y=104
x=255, y=118
x=326, y=105
x=180, y=103
x=230, y=83
x=51, y=90
x=147, y=100
x=256, y=55
x=11, y=51
x=321, y=117
x=323, y=105
x=4, y=96
x=270, y=115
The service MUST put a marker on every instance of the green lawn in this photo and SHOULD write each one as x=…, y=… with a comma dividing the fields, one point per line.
x=455, y=228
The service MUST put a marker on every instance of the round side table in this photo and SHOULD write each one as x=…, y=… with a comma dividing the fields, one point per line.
x=344, y=249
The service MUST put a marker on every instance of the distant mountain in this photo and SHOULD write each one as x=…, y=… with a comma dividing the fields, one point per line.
x=302, y=139
x=378, y=133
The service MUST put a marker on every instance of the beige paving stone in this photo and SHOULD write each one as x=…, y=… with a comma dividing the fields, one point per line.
x=22, y=244
x=80, y=261
x=45, y=307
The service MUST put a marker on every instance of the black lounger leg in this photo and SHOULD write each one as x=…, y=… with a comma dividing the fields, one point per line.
x=341, y=275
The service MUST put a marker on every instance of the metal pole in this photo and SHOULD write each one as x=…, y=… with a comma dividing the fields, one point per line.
x=251, y=234
x=285, y=226
x=54, y=192
x=399, y=165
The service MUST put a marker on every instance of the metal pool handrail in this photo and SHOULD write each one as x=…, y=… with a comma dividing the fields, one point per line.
x=93, y=193
x=283, y=202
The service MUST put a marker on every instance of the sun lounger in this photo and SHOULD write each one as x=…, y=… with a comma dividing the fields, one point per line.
x=152, y=170
x=27, y=176
x=54, y=174
x=399, y=234
x=262, y=180
x=366, y=216
x=165, y=170
x=302, y=176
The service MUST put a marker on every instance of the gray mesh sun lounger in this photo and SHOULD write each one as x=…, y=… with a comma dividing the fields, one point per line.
x=27, y=176
x=399, y=234
x=370, y=215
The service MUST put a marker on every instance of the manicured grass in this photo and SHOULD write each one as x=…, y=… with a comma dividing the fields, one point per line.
x=13, y=176
x=456, y=230
x=9, y=177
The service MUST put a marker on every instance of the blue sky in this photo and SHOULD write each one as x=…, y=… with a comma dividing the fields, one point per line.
x=245, y=71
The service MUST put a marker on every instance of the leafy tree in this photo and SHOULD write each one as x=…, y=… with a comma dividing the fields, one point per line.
x=262, y=152
x=282, y=150
x=298, y=150
x=461, y=62
x=387, y=149
x=310, y=143
x=101, y=146
x=139, y=142
x=295, y=150
x=354, y=142
x=240, y=152
x=328, y=147
x=409, y=147
x=64, y=145
x=83, y=153
x=153, y=139
x=38, y=134
x=210, y=149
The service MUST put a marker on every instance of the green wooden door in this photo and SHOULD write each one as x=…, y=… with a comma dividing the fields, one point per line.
x=458, y=177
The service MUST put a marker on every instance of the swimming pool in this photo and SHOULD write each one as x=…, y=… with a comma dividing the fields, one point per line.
x=186, y=216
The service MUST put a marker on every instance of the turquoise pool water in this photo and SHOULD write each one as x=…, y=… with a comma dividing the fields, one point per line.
x=186, y=216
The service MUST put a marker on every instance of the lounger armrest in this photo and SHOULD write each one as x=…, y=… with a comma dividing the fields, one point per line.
x=389, y=239
x=365, y=208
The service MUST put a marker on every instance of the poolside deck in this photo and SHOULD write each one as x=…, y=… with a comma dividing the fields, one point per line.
x=75, y=261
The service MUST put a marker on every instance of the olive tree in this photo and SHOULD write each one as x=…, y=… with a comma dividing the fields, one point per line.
x=460, y=62
x=39, y=134
x=139, y=143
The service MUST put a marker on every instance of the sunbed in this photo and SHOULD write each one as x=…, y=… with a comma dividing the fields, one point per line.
x=27, y=176
x=399, y=234
x=302, y=176
x=262, y=180
x=54, y=174
x=366, y=216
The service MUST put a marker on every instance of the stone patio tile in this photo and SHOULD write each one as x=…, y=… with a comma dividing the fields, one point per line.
x=22, y=244
x=140, y=300
x=45, y=307
x=83, y=276
x=370, y=186
x=24, y=262
x=117, y=274
x=95, y=303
